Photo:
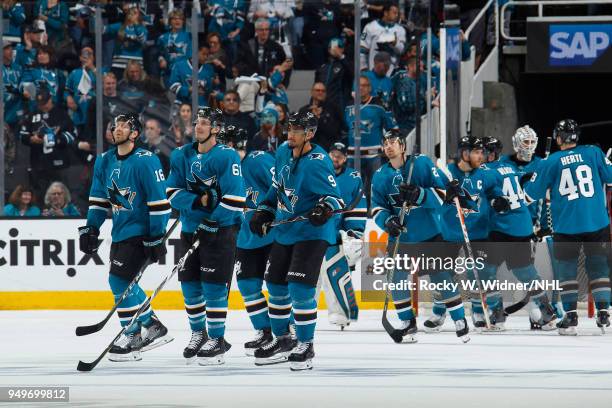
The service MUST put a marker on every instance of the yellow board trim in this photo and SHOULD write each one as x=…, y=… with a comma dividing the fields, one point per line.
x=103, y=300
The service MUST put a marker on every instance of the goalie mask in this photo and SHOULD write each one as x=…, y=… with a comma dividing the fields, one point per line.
x=525, y=142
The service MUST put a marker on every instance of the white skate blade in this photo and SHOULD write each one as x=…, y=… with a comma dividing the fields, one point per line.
x=191, y=361
x=249, y=352
x=465, y=338
x=300, y=366
x=158, y=342
x=277, y=359
x=550, y=326
x=133, y=356
x=436, y=329
x=211, y=361
x=570, y=331
x=409, y=339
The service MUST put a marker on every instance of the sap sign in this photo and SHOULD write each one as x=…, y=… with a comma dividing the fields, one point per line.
x=578, y=44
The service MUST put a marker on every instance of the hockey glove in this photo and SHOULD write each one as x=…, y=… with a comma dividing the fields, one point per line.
x=88, y=239
x=393, y=226
x=525, y=178
x=208, y=200
x=411, y=195
x=206, y=232
x=500, y=204
x=155, y=248
x=320, y=214
x=263, y=216
x=453, y=190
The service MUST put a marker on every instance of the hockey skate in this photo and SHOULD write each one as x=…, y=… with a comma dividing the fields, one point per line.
x=479, y=321
x=301, y=358
x=198, y=338
x=603, y=320
x=155, y=335
x=567, y=326
x=339, y=319
x=407, y=330
x=498, y=320
x=262, y=338
x=276, y=351
x=434, y=323
x=213, y=352
x=546, y=319
x=462, y=330
x=127, y=348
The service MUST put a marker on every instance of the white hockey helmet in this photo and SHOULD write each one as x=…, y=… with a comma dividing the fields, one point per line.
x=525, y=141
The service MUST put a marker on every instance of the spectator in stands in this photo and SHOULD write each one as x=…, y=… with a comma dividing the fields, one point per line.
x=11, y=75
x=379, y=78
x=13, y=13
x=133, y=85
x=130, y=38
x=403, y=103
x=54, y=13
x=58, y=202
x=217, y=57
x=330, y=118
x=43, y=75
x=337, y=75
x=49, y=133
x=158, y=143
x=25, y=53
x=182, y=127
x=282, y=125
x=81, y=32
x=346, y=22
x=276, y=12
x=22, y=203
x=375, y=120
x=273, y=89
x=267, y=138
x=233, y=116
x=322, y=25
x=10, y=151
x=173, y=46
x=181, y=82
x=261, y=54
x=383, y=35
x=227, y=21
x=81, y=89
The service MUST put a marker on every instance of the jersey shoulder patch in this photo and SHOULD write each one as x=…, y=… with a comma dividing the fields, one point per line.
x=316, y=156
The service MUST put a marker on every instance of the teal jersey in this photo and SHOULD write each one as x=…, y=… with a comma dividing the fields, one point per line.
x=522, y=169
x=298, y=185
x=257, y=170
x=133, y=186
x=576, y=179
x=516, y=222
x=422, y=221
x=481, y=186
x=351, y=187
x=192, y=173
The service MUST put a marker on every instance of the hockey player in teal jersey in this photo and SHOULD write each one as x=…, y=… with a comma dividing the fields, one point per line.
x=576, y=176
x=340, y=257
x=390, y=190
x=304, y=185
x=479, y=194
x=130, y=181
x=205, y=184
x=514, y=230
x=252, y=250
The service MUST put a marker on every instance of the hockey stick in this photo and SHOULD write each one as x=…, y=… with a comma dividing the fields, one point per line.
x=85, y=330
x=83, y=366
x=350, y=208
x=396, y=334
x=468, y=246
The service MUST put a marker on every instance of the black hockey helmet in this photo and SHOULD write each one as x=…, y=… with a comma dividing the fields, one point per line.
x=234, y=135
x=132, y=119
x=215, y=116
x=567, y=130
x=304, y=120
x=470, y=143
x=493, y=145
x=393, y=134
x=339, y=146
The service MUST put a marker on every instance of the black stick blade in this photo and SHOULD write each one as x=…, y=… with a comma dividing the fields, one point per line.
x=82, y=366
x=85, y=330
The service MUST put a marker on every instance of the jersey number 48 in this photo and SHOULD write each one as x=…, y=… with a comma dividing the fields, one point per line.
x=570, y=188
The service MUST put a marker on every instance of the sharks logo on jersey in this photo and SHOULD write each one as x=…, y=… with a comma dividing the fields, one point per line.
x=121, y=198
x=251, y=199
x=394, y=196
x=286, y=196
x=355, y=174
x=473, y=200
x=198, y=184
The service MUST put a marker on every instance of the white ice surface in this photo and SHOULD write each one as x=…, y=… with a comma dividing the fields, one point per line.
x=358, y=367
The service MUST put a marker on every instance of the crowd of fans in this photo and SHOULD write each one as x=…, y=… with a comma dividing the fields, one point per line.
x=49, y=72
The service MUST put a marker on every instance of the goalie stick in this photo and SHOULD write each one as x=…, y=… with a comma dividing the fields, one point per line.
x=84, y=366
x=396, y=334
x=85, y=330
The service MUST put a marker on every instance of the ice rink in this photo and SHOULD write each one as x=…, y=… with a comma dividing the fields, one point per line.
x=358, y=367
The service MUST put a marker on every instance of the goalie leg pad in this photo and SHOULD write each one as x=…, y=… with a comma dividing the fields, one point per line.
x=338, y=285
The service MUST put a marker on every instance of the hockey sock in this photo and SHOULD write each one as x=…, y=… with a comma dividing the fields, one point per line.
x=215, y=295
x=195, y=306
x=568, y=283
x=255, y=302
x=439, y=308
x=304, y=310
x=455, y=308
x=451, y=299
x=130, y=305
x=401, y=297
x=598, y=272
x=279, y=308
